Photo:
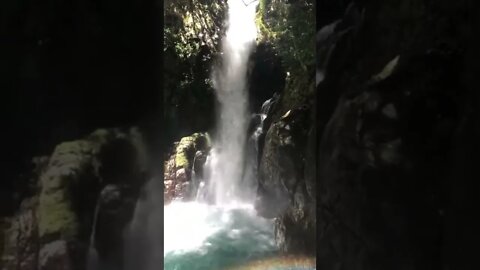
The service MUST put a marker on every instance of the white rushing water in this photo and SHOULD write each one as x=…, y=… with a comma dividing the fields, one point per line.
x=202, y=236
x=230, y=83
x=92, y=254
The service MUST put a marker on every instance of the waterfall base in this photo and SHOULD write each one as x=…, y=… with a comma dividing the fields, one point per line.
x=201, y=236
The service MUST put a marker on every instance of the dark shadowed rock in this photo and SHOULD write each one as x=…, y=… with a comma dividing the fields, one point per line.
x=283, y=186
x=115, y=209
x=52, y=227
x=20, y=238
x=379, y=196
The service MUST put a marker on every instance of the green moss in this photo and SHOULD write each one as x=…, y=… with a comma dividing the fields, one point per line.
x=181, y=160
x=186, y=149
x=55, y=215
x=265, y=32
x=185, y=145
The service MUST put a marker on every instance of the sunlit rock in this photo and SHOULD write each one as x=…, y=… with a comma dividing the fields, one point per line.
x=187, y=159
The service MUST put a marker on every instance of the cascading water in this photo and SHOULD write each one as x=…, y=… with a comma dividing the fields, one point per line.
x=257, y=132
x=260, y=128
x=92, y=255
x=230, y=82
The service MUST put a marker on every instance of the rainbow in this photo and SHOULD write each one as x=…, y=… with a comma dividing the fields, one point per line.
x=280, y=263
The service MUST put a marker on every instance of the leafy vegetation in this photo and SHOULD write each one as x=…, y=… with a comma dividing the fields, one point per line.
x=192, y=33
x=191, y=24
x=289, y=26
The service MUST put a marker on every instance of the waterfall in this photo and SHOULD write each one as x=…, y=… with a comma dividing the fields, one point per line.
x=92, y=255
x=144, y=237
x=260, y=129
x=230, y=83
x=256, y=133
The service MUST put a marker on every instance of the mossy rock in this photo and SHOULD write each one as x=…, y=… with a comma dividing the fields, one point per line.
x=187, y=146
x=56, y=216
x=67, y=164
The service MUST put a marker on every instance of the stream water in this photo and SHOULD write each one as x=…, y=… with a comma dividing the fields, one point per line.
x=201, y=236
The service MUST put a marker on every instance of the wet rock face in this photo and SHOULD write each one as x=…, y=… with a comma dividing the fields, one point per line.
x=378, y=189
x=115, y=209
x=391, y=99
x=52, y=228
x=282, y=192
x=387, y=122
x=286, y=188
x=187, y=159
x=199, y=163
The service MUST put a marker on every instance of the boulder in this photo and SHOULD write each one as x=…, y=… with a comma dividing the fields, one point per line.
x=379, y=197
x=285, y=193
x=188, y=156
x=53, y=225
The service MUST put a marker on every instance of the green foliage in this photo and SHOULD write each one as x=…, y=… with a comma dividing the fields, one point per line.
x=290, y=27
x=193, y=29
x=191, y=24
